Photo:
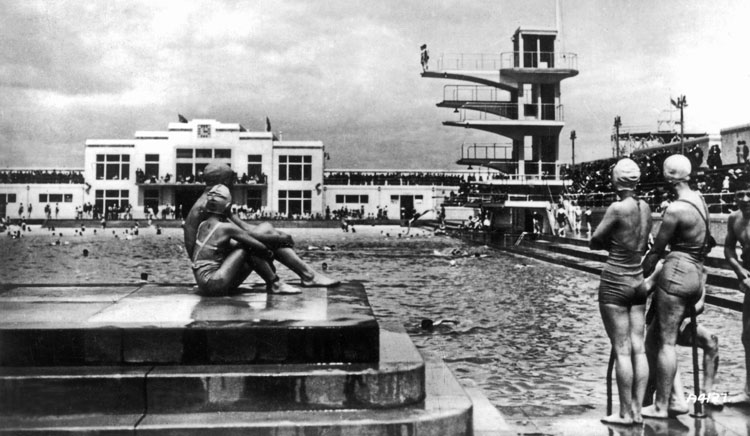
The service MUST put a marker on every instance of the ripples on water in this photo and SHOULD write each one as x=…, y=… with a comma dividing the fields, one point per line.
x=529, y=333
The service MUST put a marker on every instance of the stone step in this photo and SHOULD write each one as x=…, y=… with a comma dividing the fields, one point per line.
x=396, y=380
x=166, y=325
x=446, y=410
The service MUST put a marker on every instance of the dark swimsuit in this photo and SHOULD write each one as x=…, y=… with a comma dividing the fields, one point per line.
x=683, y=268
x=622, y=276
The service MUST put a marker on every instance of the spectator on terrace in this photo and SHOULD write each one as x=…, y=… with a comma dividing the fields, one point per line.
x=714, y=157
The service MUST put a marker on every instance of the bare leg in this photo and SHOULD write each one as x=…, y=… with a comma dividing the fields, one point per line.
x=638, y=359
x=744, y=396
x=710, y=344
x=677, y=403
x=288, y=257
x=274, y=284
x=617, y=324
x=671, y=310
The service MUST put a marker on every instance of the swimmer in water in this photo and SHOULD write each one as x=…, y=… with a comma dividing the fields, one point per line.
x=624, y=232
x=223, y=250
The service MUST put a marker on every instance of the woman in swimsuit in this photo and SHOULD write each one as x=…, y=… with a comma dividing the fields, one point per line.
x=624, y=232
x=222, y=250
x=684, y=228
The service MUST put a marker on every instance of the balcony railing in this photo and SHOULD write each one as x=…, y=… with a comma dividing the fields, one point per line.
x=486, y=150
x=499, y=111
x=474, y=93
x=542, y=59
x=469, y=61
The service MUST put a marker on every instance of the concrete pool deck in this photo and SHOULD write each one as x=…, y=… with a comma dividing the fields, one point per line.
x=151, y=358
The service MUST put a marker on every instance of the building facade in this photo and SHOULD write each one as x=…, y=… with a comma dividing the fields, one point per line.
x=163, y=169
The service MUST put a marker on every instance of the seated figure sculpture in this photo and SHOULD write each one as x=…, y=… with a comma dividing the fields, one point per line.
x=220, y=260
x=280, y=244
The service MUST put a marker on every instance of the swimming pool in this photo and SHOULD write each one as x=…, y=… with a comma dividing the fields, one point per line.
x=528, y=332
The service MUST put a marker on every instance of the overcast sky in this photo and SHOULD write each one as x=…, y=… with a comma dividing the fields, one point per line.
x=346, y=72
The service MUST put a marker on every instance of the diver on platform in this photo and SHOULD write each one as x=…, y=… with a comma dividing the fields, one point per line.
x=624, y=233
x=684, y=228
x=279, y=243
x=738, y=231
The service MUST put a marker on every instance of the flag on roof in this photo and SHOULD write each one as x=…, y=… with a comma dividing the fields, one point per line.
x=268, y=125
x=181, y=119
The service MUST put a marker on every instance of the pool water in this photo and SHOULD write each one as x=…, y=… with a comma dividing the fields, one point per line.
x=527, y=332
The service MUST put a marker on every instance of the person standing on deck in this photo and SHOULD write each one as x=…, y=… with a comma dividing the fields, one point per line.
x=684, y=228
x=738, y=230
x=624, y=233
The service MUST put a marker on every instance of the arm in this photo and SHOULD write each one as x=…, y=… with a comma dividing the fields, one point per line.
x=601, y=236
x=251, y=243
x=666, y=232
x=265, y=238
x=730, y=252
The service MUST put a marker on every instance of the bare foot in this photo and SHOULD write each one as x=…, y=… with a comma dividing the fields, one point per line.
x=652, y=412
x=615, y=418
x=741, y=398
x=319, y=280
x=282, y=288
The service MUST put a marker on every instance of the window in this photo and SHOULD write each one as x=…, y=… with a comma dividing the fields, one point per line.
x=112, y=166
x=7, y=198
x=295, y=202
x=254, y=200
x=152, y=166
x=254, y=165
x=203, y=153
x=55, y=198
x=352, y=199
x=184, y=153
x=222, y=153
x=295, y=167
x=68, y=198
x=43, y=198
x=116, y=198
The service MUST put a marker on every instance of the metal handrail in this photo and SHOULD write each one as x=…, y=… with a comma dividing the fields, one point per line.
x=474, y=93
x=533, y=111
x=486, y=147
x=469, y=61
x=539, y=59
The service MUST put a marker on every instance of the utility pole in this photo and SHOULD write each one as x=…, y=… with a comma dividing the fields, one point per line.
x=680, y=104
x=573, y=145
x=618, y=123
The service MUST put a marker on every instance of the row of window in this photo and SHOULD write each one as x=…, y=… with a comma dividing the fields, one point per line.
x=55, y=198
x=117, y=166
x=364, y=199
x=7, y=198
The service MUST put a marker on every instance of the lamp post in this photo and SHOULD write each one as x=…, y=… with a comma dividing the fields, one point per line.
x=618, y=123
x=573, y=146
x=680, y=104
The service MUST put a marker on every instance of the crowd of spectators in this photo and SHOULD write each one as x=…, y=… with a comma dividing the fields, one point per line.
x=394, y=178
x=141, y=178
x=592, y=185
x=40, y=176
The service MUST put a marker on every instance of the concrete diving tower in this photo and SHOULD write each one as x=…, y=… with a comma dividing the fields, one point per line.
x=516, y=95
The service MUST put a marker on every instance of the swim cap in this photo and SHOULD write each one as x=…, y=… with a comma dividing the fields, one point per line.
x=216, y=173
x=219, y=200
x=625, y=175
x=677, y=168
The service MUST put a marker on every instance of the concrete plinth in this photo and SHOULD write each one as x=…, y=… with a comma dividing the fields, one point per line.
x=70, y=326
